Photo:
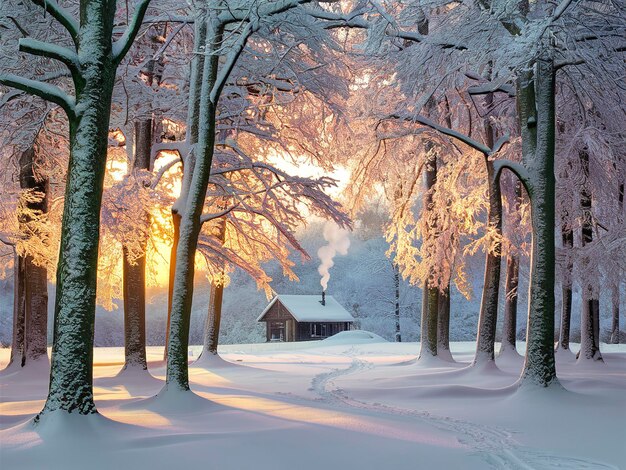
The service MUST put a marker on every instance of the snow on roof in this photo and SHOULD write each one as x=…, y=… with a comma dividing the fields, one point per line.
x=307, y=308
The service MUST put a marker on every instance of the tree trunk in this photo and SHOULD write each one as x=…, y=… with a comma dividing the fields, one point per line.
x=537, y=118
x=35, y=277
x=443, y=326
x=430, y=305
x=177, y=374
x=193, y=122
x=488, y=317
x=590, y=319
x=615, y=311
x=615, y=294
x=213, y=320
x=36, y=302
x=511, y=283
x=430, y=299
x=566, y=310
x=172, y=272
x=509, y=328
x=214, y=314
x=396, y=283
x=134, y=271
x=134, y=280
x=71, y=377
x=30, y=306
x=19, y=313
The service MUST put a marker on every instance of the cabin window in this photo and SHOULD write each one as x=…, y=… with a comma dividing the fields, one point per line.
x=277, y=331
x=319, y=330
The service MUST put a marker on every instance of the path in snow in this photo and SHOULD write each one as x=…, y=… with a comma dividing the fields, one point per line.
x=496, y=446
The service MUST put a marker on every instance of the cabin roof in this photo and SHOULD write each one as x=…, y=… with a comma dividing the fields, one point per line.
x=307, y=308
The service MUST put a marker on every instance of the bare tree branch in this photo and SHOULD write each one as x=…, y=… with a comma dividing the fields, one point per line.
x=122, y=45
x=43, y=90
x=207, y=217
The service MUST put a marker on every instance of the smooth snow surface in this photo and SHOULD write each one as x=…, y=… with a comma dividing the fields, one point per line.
x=337, y=405
x=308, y=308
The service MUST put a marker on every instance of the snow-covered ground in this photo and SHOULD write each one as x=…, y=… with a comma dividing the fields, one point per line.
x=348, y=403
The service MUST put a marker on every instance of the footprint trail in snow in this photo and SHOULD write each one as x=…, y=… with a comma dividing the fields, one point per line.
x=495, y=446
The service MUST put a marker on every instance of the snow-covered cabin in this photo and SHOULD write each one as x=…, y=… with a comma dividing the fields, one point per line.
x=304, y=318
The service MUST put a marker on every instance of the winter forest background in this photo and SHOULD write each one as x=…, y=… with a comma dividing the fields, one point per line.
x=452, y=172
x=362, y=281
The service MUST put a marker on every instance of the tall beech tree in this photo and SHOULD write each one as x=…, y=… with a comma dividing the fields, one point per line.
x=31, y=286
x=92, y=60
x=430, y=294
x=509, y=321
x=30, y=275
x=590, y=318
x=530, y=61
x=222, y=33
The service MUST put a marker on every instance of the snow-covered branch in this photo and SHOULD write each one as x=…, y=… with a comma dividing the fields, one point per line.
x=231, y=60
x=61, y=15
x=121, y=46
x=492, y=88
x=235, y=15
x=43, y=90
x=164, y=169
x=484, y=149
x=11, y=95
x=517, y=168
x=354, y=20
x=216, y=215
x=336, y=20
x=181, y=147
x=52, y=51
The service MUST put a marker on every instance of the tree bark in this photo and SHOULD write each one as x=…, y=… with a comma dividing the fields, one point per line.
x=214, y=314
x=36, y=302
x=193, y=125
x=567, y=235
x=134, y=280
x=396, y=283
x=511, y=283
x=172, y=272
x=615, y=292
x=590, y=319
x=71, y=376
x=509, y=328
x=213, y=320
x=19, y=313
x=428, y=337
x=443, y=325
x=134, y=271
x=177, y=374
x=488, y=316
x=537, y=118
x=430, y=299
x=35, y=276
x=615, y=298
x=30, y=306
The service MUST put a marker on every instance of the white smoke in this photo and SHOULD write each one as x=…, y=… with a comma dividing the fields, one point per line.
x=338, y=242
